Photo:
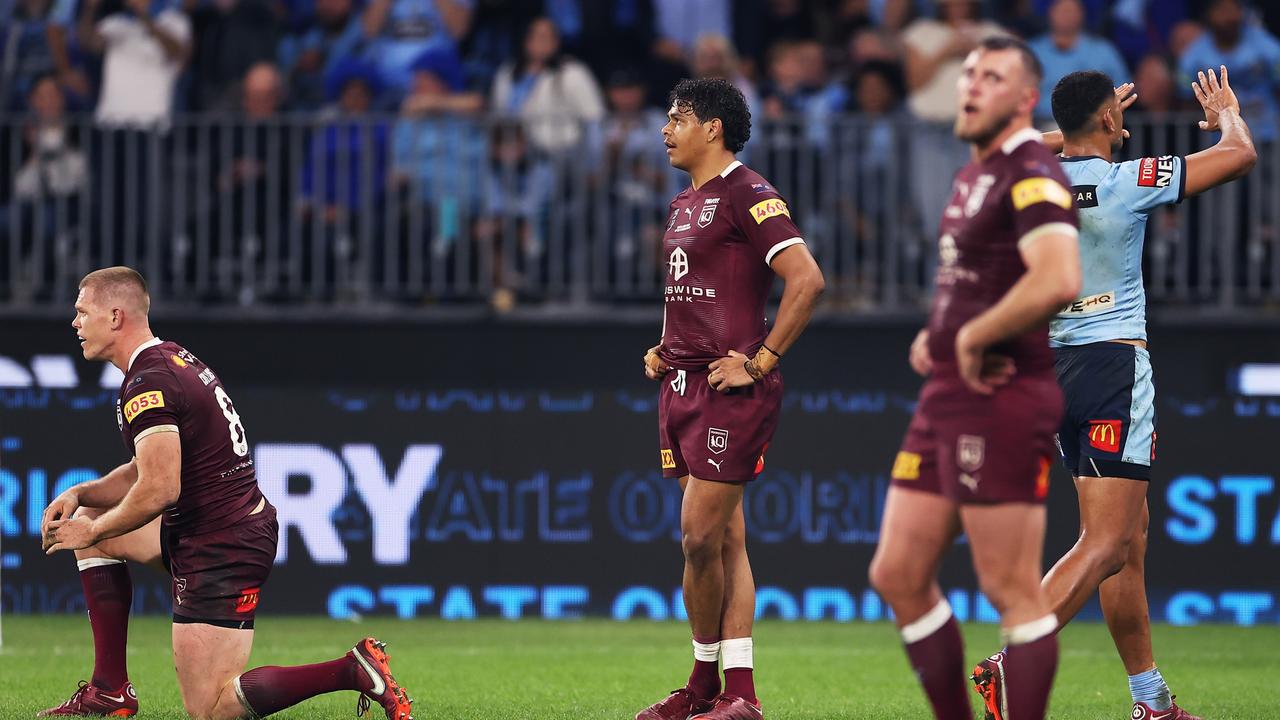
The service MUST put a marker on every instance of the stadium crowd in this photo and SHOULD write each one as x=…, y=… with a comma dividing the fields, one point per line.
x=475, y=104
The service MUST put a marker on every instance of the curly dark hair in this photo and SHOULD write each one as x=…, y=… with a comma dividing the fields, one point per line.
x=1077, y=97
x=711, y=98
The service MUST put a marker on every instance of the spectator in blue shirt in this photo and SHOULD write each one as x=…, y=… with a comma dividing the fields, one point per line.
x=1066, y=48
x=1251, y=54
x=399, y=31
x=307, y=58
x=24, y=51
x=438, y=146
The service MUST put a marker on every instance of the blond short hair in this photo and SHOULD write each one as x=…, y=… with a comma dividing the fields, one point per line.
x=119, y=284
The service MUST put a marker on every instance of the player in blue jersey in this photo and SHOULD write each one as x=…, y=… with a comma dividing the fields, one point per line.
x=1108, y=431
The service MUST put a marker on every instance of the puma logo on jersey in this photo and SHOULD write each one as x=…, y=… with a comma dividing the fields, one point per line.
x=714, y=464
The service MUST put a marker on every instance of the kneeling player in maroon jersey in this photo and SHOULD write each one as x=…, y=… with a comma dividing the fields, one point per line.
x=187, y=504
x=728, y=235
x=976, y=455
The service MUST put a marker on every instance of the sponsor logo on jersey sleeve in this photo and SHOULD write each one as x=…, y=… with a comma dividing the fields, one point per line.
x=178, y=361
x=1104, y=435
x=142, y=402
x=1155, y=172
x=766, y=209
x=668, y=459
x=1034, y=190
x=906, y=466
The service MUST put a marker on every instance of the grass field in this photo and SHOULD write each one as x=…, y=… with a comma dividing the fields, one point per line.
x=594, y=669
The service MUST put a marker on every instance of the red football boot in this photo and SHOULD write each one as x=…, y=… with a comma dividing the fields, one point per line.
x=93, y=701
x=988, y=681
x=1142, y=711
x=383, y=689
x=679, y=705
x=731, y=707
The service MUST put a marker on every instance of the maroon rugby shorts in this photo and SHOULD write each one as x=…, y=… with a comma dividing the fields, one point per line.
x=217, y=576
x=981, y=449
x=715, y=436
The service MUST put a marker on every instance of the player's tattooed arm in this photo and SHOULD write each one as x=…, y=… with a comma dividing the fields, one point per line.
x=159, y=468
x=1234, y=155
x=1054, y=140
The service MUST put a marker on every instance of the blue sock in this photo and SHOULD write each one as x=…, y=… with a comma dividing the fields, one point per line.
x=1149, y=688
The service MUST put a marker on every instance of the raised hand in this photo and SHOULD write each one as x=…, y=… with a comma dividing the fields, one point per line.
x=1125, y=93
x=1214, y=97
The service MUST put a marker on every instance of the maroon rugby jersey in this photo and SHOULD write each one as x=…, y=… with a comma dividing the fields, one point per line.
x=167, y=387
x=718, y=245
x=1013, y=196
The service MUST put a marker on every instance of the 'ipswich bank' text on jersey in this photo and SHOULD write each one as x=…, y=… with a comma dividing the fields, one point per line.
x=1115, y=200
x=167, y=389
x=998, y=204
x=719, y=242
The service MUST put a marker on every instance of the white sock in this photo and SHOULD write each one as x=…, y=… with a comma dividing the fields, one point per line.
x=737, y=653
x=89, y=563
x=928, y=624
x=1031, y=631
x=706, y=652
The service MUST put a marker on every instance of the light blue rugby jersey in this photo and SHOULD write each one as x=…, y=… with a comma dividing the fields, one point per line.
x=1114, y=200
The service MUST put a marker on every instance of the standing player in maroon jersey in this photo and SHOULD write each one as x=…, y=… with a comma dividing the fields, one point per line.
x=187, y=504
x=976, y=455
x=727, y=236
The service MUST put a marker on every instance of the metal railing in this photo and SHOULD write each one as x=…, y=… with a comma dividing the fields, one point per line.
x=399, y=212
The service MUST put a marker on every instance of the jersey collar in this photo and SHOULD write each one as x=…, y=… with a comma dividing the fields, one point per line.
x=138, y=351
x=1017, y=139
x=732, y=166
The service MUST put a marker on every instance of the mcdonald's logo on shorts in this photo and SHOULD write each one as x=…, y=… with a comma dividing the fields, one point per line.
x=1104, y=435
x=668, y=459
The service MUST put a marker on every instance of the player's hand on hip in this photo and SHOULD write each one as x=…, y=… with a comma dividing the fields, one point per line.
x=982, y=371
x=74, y=534
x=729, y=372
x=654, y=368
x=919, y=357
x=62, y=508
x=1214, y=97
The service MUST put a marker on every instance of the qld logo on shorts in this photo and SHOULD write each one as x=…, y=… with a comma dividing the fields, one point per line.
x=971, y=451
x=717, y=440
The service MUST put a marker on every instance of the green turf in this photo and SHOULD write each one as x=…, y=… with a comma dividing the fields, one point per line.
x=594, y=669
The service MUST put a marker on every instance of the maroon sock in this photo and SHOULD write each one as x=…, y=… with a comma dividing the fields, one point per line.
x=938, y=659
x=740, y=682
x=271, y=689
x=1029, y=670
x=108, y=593
x=704, y=681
